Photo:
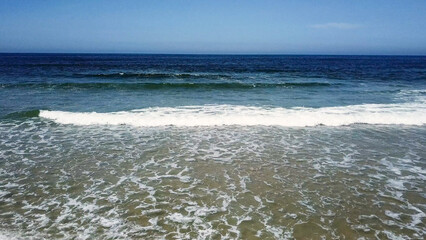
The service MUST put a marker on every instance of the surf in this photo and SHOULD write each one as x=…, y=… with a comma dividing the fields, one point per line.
x=413, y=113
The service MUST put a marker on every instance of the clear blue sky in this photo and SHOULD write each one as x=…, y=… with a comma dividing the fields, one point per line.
x=216, y=26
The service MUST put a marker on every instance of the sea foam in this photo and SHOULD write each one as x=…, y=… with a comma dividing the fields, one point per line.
x=413, y=113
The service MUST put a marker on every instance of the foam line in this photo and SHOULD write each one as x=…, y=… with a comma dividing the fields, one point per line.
x=211, y=115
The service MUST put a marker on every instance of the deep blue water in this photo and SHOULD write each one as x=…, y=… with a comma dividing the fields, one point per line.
x=106, y=83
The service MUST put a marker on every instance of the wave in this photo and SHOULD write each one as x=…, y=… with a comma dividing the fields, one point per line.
x=133, y=86
x=23, y=114
x=152, y=75
x=214, y=115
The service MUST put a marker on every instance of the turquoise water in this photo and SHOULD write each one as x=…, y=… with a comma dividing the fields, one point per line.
x=212, y=147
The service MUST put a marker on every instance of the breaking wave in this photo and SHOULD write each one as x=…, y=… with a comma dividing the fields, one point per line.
x=413, y=113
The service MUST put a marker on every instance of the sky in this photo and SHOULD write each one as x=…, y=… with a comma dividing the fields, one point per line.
x=388, y=27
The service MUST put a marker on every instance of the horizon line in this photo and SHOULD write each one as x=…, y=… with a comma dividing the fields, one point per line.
x=217, y=54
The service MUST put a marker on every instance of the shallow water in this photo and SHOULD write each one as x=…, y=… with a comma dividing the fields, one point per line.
x=220, y=182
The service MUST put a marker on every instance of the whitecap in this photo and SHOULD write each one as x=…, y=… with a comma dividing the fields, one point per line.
x=413, y=113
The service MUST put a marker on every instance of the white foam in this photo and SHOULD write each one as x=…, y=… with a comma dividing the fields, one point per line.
x=392, y=214
x=3, y=193
x=413, y=113
x=397, y=184
x=179, y=218
x=8, y=235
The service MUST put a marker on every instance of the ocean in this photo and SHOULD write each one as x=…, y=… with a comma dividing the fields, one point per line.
x=103, y=146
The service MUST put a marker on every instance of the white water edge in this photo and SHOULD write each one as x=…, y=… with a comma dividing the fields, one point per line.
x=413, y=113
